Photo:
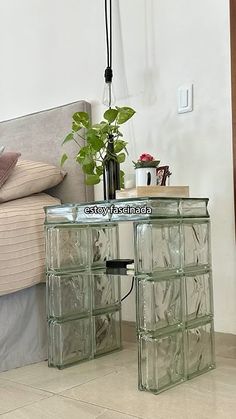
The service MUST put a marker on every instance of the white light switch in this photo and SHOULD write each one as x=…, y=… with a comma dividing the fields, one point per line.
x=185, y=98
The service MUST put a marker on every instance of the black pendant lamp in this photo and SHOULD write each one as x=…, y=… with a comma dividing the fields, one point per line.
x=111, y=167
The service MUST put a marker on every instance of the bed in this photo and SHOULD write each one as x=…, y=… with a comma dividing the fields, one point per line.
x=23, y=332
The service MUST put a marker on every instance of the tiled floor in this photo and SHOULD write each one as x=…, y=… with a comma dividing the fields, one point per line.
x=106, y=388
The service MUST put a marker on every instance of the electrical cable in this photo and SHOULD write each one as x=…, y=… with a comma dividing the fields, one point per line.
x=110, y=34
x=108, y=94
x=107, y=38
x=131, y=289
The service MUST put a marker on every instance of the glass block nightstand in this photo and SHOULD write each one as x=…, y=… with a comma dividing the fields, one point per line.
x=173, y=285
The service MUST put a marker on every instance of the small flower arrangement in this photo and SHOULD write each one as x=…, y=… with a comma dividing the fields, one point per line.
x=146, y=160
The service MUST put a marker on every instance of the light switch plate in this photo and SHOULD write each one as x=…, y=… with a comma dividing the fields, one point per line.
x=185, y=98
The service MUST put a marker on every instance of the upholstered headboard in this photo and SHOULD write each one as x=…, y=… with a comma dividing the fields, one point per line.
x=39, y=136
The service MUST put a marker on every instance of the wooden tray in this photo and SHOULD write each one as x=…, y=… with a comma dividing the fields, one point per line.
x=161, y=191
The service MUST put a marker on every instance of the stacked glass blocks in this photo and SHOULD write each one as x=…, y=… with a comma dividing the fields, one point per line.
x=173, y=285
x=174, y=301
x=83, y=302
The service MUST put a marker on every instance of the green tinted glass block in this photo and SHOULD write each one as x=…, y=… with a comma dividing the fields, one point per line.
x=161, y=361
x=104, y=244
x=200, y=349
x=164, y=207
x=159, y=302
x=59, y=214
x=193, y=208
x=157, y=247
x=68, y=295
x=105, y=290
x=107, y=332
x=67, y=248
x=199, y=302
x=98, y=212
x=69, y=342
x=196, y=244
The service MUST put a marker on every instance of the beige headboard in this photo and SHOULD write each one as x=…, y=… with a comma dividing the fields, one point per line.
x=39, y=136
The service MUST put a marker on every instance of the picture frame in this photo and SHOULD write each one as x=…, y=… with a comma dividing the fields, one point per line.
x=162, y=173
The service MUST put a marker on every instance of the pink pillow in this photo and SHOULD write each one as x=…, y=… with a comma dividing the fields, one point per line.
x=8, y=161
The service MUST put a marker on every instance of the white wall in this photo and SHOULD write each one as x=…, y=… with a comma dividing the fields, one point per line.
x=53, y=52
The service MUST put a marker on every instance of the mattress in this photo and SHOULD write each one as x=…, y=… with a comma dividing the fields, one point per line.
x=22, y=250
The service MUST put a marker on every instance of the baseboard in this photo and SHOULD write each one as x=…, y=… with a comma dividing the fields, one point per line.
x=225, y=343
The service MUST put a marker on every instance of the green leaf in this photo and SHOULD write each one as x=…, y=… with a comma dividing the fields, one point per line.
x=121, y=157
x=92, y=179
x=99, y=170
x=64, y=157
x=124, y=114
x=102, y=127
x=89, y=168
x=95, y=140
x=84, y=150
x=122, y=179
x=96, y=143
x=81, y=118
x=119, y=145
x=76, y=127
x=110, y=115
x=86, y=160
x=69, y=137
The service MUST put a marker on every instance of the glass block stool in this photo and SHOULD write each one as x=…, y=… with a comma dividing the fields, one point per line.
x=174, y=302
x=173, y=286
x=83, y=301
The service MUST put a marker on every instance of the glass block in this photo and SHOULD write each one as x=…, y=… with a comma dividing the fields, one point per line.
x=67, y=248
x=68, y=295
x=161, y=361
x=194, y=207
x=198, y=288
x=104, y=244
x=130, y=210
x=107, y=332
x=164, y=207
x=196, y=244
x=60, y=214
x=200, y=349
x=157, y=247
x=69, y=342
x=98, y=212
x=133, y=209
x=106, y=289
x=159, y=303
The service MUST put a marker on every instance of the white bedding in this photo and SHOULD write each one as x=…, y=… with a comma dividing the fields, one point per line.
x=22, y=251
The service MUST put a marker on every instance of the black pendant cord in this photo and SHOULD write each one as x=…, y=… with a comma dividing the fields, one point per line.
x=107, y=37
x=108, y=71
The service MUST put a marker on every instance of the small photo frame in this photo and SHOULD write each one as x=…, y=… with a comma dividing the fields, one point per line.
x=162, y=173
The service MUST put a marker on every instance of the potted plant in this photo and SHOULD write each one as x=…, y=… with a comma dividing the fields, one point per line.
x=101, y=147
x=145, y=170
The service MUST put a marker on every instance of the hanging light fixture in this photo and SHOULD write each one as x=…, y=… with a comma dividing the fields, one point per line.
x=108, y=94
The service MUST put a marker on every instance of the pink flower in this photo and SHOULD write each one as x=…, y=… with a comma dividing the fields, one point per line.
x=146, y=157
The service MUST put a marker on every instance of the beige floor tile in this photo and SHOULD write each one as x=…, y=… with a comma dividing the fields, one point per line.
x=119, y=359
x=53, y=380
x=62, y=408
x=110, y=414
x=58, y=408
x=210, y=396
x=13, y=395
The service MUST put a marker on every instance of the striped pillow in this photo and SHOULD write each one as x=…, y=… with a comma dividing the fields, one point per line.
x=30, y=177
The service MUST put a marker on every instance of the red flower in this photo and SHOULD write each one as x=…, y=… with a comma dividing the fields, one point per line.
x=146, y=157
